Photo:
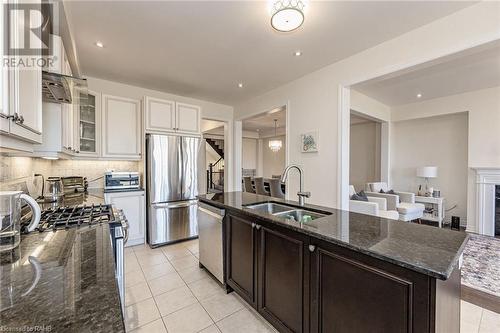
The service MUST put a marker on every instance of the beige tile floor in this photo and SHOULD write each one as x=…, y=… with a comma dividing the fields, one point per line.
x=166, y=291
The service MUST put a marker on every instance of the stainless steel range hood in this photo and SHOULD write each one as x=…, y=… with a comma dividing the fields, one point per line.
x=59, y=88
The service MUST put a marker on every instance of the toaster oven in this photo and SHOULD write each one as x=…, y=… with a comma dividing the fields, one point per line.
x=121, y=180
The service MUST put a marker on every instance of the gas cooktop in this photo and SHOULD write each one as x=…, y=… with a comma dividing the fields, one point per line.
x=69, y=217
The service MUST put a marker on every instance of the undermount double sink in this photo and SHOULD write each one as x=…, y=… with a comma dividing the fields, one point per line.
x=287, y=212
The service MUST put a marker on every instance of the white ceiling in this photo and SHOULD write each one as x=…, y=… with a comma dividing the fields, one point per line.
x=203, y=49
x=471, y=70
x=265, y=122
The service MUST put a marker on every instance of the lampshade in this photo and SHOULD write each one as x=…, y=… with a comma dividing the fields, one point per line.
x=427, y=172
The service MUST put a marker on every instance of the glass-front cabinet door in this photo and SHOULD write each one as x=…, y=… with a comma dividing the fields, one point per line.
x=89, y=123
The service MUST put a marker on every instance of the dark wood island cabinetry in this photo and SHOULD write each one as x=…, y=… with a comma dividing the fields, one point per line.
x=302, y=281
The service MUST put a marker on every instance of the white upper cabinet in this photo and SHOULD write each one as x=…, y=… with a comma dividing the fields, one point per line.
x=171, y=117
x=188, y=118
x=4, y=85
x=89, y=120
x=121, y=127
x=159, y=114
x=24, y=88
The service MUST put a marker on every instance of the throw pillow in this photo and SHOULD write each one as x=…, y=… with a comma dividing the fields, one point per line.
x=360, y=196
x=389, y=192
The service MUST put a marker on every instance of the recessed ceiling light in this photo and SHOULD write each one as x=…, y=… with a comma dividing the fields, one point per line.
x=419, y=95
x=297, y=53
x=240, y=85
x=99, y=44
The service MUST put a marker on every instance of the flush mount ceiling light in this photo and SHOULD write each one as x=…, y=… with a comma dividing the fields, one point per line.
x=297, y=53
x=240, y=85
x=419, y=95
x=99, y=44
x=276, y=144
x=287, y=15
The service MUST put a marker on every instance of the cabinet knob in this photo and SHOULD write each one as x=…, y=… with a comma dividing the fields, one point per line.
x=312, y=248
x=253, y=225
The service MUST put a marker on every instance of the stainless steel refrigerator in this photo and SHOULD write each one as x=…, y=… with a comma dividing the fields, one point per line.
x=172, y=187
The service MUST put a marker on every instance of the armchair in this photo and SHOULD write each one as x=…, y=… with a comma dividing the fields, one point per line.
x=374, y=206
x=402, y=202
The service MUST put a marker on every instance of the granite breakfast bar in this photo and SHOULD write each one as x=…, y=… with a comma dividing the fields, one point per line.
x=340, y=272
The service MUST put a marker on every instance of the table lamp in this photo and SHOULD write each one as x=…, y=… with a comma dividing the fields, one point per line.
x=427, y=172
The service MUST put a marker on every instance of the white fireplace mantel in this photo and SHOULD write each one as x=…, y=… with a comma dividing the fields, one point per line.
x=486, y=180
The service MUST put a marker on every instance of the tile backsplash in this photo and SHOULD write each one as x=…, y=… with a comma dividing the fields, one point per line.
x=15, y=169
x=93, y=170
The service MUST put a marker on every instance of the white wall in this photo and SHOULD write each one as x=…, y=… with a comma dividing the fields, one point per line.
x=438, y=141
x=364, y=154
x=484, y=121
x=483, y=108
x=313, y=100
x=369, y=106
x=249, y=153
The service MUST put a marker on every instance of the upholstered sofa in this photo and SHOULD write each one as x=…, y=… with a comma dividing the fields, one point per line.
x=374, y=206
x=402, y=202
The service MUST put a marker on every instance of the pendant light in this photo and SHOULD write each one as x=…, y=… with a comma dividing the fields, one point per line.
x=276, y=144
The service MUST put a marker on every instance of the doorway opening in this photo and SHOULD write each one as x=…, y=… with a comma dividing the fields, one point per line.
x=364, y=150
x=264, y=152
x=212, y=156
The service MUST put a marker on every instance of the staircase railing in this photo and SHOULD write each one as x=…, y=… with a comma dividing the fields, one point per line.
x=215, y=172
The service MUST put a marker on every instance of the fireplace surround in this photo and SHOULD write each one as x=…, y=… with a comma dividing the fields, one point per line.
x=497, y=210
x=487, y=185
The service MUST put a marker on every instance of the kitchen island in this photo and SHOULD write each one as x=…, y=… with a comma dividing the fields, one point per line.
x=340, y=272
x=61, y=281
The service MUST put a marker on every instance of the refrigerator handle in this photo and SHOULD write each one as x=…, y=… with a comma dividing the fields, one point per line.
x=174, y=204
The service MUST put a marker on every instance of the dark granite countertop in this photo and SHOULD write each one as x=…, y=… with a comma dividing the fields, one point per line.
x=93, y=196
x=425, y=249
x=63, y=281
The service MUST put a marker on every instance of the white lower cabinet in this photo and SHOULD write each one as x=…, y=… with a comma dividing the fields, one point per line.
x=133, y=205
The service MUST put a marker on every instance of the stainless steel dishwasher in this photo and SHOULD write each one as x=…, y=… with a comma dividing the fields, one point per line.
x=210, y=239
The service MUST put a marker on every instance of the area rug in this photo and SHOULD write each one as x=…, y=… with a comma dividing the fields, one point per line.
x=481, y=264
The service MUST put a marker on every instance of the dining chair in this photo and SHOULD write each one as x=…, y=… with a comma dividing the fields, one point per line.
x=259, y=186
x=248, y=185
x=275, y=187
